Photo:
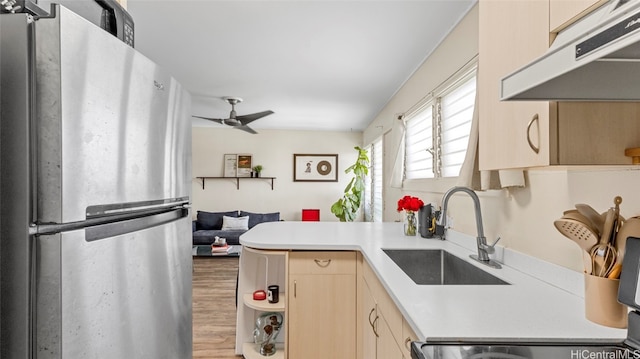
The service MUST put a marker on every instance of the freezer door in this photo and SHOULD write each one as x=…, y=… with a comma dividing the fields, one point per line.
x=126, y=296
x=112, y=127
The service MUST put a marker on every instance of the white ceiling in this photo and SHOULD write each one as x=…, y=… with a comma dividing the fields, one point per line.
x=319, y=65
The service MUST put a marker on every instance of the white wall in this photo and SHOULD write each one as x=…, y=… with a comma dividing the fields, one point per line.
x=274, y=151
x=523, y=218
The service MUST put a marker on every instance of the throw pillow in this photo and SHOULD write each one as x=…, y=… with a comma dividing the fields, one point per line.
x=213, y=220
x=235, y=224
x=257, y=218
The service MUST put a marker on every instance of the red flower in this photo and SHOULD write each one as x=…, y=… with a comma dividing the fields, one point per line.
x=408, y=203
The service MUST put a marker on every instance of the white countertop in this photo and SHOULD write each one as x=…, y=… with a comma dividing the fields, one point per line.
x=530, y=308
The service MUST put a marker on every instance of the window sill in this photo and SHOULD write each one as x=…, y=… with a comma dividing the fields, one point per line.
x=430, y=185
x=440, y=186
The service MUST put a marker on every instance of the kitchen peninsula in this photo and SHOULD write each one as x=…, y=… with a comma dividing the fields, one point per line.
x=542, y=301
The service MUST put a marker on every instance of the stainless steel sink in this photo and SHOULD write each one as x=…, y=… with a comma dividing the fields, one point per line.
x=439, y=267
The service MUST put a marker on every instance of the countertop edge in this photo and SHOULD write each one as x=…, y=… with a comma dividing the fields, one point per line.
x=567, y=287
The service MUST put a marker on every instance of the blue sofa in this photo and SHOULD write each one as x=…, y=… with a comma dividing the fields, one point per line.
x=208, y=225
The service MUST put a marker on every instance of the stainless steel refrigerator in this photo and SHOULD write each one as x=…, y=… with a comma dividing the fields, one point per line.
x=95, y=181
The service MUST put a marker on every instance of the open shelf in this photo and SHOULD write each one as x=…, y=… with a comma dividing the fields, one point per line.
x=237, y=179
x=258, y=269
x=250, y=351
x=263, y=305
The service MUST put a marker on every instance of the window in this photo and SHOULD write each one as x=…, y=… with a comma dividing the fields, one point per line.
x=373, y=187
x=419, y=158
x=437, y=132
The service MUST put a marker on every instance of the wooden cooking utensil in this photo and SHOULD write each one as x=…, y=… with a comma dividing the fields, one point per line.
x=603, y=259
x=630, y=228
x=615, y=271
x=588, y=262
x=616, y=201
x=603, y=254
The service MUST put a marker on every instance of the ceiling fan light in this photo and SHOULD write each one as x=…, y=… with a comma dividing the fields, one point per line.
x=232, y=122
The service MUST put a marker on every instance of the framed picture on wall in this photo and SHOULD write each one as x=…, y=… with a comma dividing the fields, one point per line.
x=230, y=165
x=244, y=165
x=315, y=168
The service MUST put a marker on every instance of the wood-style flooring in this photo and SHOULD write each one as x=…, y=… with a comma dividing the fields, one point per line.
x=214, y=307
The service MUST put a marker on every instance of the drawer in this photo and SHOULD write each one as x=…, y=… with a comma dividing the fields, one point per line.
x=317, y=262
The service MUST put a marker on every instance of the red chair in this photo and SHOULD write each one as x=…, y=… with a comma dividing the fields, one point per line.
x=312, y=215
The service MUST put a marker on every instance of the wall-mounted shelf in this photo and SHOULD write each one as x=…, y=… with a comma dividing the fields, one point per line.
x=237, y=179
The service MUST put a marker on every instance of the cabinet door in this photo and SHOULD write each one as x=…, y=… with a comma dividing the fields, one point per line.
x=511, y=34
x=387, y=347
x=408, y=336
x=322, y=316
x=369, y=321
x=562, y=13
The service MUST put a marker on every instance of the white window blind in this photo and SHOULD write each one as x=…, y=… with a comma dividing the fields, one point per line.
x=457, y=113
x=373, y=205
x=418, y=142
x=368, y=193
x=376, y=183
x=437, y=133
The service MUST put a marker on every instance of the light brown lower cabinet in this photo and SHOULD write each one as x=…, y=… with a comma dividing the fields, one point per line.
x=321, y=308
x=386, y=346
x=367, y=322
x=383, y=333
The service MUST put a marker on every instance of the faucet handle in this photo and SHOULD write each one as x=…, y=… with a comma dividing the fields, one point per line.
x=490, y=248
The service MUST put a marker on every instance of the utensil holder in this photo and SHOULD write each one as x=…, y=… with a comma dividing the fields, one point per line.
x=601, y=302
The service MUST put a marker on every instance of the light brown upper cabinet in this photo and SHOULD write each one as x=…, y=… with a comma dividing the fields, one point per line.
x=510, y=35
x=524, y=134
x=563, y=13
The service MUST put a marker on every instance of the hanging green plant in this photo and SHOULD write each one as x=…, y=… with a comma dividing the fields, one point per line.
x=347, y=207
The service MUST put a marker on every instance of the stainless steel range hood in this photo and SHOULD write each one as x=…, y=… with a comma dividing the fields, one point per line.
x=595, y=59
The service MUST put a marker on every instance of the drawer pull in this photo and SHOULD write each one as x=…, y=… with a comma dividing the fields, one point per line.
x=295, y=289
x=373, y=323
x=324, y=263
x=373, y=326
x=371, y=312
x=535, y=148
x=407, y=343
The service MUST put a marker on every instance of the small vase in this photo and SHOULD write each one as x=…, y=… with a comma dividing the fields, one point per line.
x=268, y=327
x=411, y=224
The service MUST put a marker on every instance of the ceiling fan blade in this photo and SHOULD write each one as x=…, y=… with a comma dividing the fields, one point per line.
x=247, y=119
x=246, y=129
x=218, y=120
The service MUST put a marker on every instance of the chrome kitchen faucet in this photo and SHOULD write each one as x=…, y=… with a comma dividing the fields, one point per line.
x=484, y=249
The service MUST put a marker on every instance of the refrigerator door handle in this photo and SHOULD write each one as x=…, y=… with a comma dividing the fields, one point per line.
x=135, y=207
x=135, y=224
x=113, y=229
x=128, y=221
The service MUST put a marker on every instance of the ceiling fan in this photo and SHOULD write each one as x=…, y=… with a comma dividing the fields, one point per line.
x=239, y=122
